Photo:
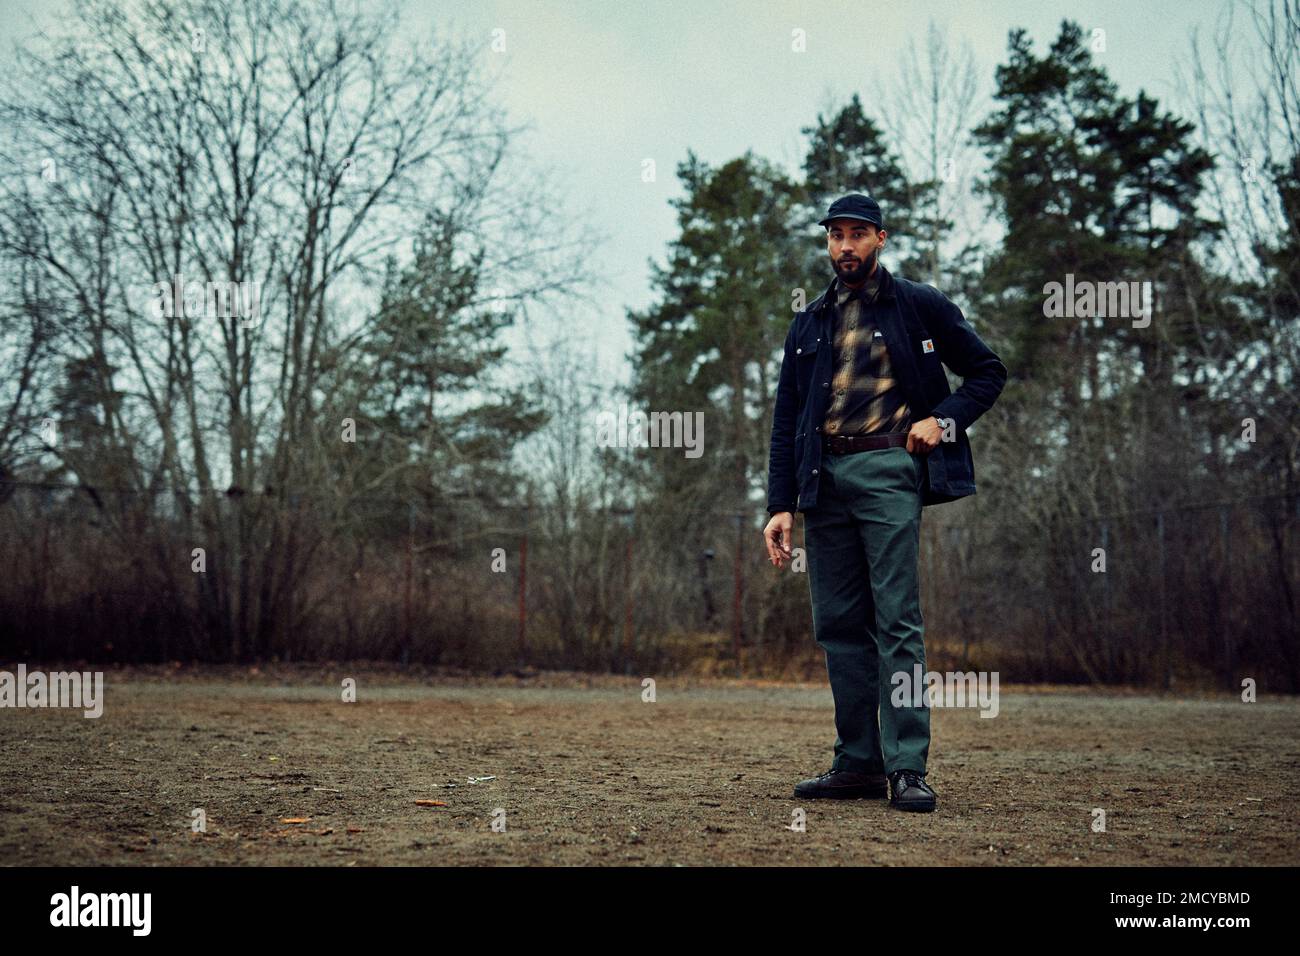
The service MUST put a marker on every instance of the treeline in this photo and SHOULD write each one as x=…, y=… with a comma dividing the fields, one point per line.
x=362, y=469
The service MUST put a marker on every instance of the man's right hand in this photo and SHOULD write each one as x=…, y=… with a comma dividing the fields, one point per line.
x=777, y=537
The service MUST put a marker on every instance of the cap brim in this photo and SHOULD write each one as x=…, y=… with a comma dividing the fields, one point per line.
x=848, y=215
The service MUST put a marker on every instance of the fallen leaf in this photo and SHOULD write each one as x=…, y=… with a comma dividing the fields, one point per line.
x=430, y=803
x=295, y=819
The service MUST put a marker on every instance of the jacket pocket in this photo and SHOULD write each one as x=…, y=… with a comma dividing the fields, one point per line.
x=806, y=348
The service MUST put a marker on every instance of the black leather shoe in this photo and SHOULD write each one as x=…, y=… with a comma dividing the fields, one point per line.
x=842, y=785
x=910, y=791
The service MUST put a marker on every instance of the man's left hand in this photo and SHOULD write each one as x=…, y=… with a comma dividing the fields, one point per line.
x=925, y=436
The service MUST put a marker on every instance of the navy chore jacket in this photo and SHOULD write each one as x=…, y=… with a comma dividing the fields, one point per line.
x=922, y=329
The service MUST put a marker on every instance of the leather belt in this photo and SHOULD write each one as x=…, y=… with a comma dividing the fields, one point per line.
x=848, y=444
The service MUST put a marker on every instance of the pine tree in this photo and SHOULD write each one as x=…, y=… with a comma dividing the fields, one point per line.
x=1103, y=188
x=724, y=307
x=436, y=415
x=849, y=153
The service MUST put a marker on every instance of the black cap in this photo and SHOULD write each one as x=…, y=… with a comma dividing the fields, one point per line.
x=855, y=206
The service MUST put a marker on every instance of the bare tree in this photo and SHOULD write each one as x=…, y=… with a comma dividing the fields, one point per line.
x=1246, y=91
x=275, y=154
x=929, y=111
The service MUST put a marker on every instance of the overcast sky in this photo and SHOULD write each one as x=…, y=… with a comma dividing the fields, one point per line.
x=606, y=85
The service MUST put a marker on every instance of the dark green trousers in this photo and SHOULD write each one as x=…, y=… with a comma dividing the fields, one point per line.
x=862, y=540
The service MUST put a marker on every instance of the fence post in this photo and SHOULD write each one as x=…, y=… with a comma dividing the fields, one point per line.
x=1167, y=664
x=410, y=582
x=736, y=589
x=523, y=583
x=1226, y=597
x=1108, y=615
x=955, y=589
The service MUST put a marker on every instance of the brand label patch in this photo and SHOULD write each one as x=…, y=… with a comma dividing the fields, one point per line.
x=927, y=345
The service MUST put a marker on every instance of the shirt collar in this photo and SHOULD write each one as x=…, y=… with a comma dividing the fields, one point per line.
x=880, y=276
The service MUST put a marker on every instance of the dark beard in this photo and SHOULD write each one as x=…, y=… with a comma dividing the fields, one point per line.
x=858, y=275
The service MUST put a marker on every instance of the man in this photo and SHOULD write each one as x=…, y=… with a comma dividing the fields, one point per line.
x=865, y=432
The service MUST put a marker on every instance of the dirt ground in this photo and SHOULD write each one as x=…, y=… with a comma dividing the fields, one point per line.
x=586, y=773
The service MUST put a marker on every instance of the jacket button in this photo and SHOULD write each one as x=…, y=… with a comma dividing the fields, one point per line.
x=826, y=384
x=798, y=351
x=814, y=471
